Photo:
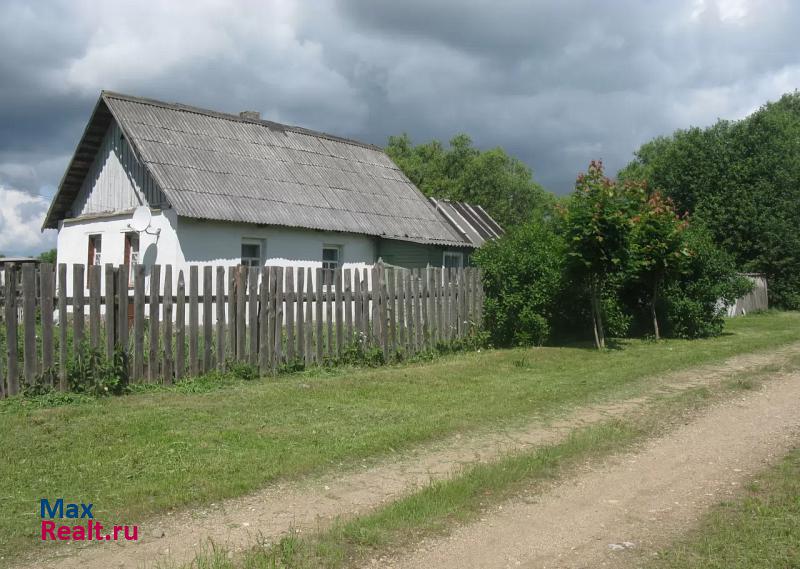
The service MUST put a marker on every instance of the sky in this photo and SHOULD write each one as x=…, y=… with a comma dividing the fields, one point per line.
x=556, y=83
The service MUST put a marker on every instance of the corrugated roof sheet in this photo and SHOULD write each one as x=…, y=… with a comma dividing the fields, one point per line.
x=471, y=222
x=216, y=166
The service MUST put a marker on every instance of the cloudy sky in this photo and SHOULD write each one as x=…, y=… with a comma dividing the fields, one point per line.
x=556, y=83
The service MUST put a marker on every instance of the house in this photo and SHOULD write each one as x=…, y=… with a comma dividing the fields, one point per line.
x=228, y=189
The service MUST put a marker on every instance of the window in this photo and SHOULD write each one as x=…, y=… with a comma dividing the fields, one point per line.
x=131, y=254
x=95, y=250
x=330, y=262
x=453, y=260
x=251, y=252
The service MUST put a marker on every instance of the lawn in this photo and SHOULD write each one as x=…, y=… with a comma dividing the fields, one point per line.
x=761, y=530
x=142, y=454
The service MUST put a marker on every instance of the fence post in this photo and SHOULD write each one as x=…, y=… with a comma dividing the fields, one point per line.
x=278, y=334
x=110, y=313
x=338, y=310
x=62, y=326
x=329, y=316
x=208, y=328
x=11, y=330
x=241, y=307
x=392, y=305
x=272, y=307
x=232, y=319
x=123, y=303
x=263, y=323
x=180, y=329
x=168, y=358
x=252, y=312
x=423, y=291
x=138, y=322
x=348, y=305
x=290, y=314
x=220, y=318
x=47, y=293
x=77, y=306
x=29, y=322
x=301, y=328
x=153, y=306
x=94, y=305
x=194, y=332
x=409, y=304
x=309, y=313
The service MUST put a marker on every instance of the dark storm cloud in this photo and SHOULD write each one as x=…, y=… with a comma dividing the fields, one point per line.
x=555, y=83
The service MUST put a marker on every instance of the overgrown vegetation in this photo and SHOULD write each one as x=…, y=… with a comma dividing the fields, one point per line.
x=219, y=437
x=742, y=180
x=617, y=256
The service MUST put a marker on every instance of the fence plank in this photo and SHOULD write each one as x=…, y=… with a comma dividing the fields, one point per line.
x=329, y=319
x=290, y=314
x=47, y=292
x=348, y=305
x=357, y=304
x=208, y=327
x=252, y=313
x=123, y=304
x=318, y=317
x=264, y=350
x=241, y=315
x=62, y=326
x=271, y=306
x=423, y=292
x=278, y=334
x=409, y=304
x=418, y=314
x=220, y=324
x=301, y=328
x=431, y=299
x=375, y=332
x=77, y=305
x=153, y=373
x=29, y=323
x=194, y=324
x=338, y=310
x=180, y=329
x=138, y=322
x=383, y=310
x=365, y=307
x=12, y=341
x=440, y=305
x=392, y=305
x=94, y=305
x=309, y=314
x=167, y=337
x=401, y=309
x=232, y=319
x=110, y=315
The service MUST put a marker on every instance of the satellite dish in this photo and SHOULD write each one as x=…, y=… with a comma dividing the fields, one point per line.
x=141, y=219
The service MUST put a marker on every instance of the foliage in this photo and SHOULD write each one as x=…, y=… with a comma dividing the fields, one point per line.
x=691, y=302
x=742, y=179
x=89, y=371
x=522, y=273
x=597, y=227
x=493, y=179
x=48, y=256
x=242, y=370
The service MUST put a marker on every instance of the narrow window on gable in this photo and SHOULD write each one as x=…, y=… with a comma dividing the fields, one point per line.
x=331, y=260
x=95, y=250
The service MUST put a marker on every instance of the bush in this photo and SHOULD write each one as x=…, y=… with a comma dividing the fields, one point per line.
x=522, y=274
x=695, y=303
x=89, y=371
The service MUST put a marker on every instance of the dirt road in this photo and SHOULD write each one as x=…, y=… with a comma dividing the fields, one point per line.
x=268, y=514
x=633, y=504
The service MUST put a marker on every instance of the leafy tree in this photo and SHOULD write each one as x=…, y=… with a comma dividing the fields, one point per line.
x=48, y=256
x=658, y=248
x=597, y=226
x=500, y=183
x=742, y=180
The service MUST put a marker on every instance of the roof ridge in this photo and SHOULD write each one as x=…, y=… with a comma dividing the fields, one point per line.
x=236, y=118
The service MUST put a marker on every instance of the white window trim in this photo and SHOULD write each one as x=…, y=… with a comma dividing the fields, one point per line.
x=339, y=254
x=261, y=248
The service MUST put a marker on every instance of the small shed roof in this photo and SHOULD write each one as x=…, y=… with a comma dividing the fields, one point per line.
x=471, y=222
x=219, y=166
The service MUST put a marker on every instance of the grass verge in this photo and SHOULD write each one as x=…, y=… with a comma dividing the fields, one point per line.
x=760, y=530
x=142, y=454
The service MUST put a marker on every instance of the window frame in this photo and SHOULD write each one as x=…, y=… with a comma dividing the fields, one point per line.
x=328, y=271
x=252, y=260
x=453, y=254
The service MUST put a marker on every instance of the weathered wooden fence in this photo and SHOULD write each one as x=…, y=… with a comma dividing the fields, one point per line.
x=755, y=300
x=266, y=316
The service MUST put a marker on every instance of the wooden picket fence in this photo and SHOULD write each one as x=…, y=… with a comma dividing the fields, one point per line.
x=265, y=316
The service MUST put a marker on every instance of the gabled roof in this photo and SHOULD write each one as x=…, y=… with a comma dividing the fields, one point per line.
x=219, y=166
x=472, y=222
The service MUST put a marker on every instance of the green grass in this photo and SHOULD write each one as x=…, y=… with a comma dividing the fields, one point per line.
x=760, y=530
x=142, y=454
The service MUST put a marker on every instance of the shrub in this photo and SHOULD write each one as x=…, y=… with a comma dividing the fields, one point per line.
x=89, y=371
x=695, y=302
x=522, y=273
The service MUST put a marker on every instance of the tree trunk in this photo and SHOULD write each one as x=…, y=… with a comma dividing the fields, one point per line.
x=653, y=311
x=597, y=318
